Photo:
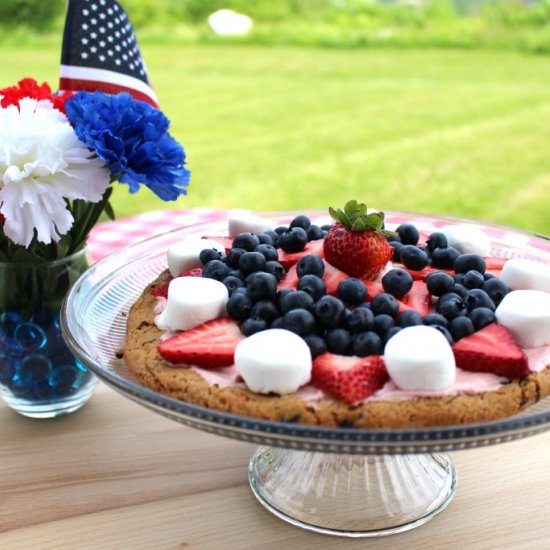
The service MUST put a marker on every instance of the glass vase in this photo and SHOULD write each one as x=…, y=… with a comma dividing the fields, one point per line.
x=39, y=377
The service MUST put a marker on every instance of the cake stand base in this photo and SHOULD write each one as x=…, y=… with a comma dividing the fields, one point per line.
x=352, y=495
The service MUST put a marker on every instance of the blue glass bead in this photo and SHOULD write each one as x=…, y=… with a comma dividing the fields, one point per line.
x=8, y=321
x=43, y=390
x=7, y=371
x=35, y=367
x=47, y=318
x=29, y=336
x=22, y=388
x=62, y=379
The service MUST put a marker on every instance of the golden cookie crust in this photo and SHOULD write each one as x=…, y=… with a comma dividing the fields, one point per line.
x=183, y=383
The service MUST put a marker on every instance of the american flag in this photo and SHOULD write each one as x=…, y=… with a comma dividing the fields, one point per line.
x=100, y=51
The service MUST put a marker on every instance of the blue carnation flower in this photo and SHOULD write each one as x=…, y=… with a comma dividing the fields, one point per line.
x=132, y=138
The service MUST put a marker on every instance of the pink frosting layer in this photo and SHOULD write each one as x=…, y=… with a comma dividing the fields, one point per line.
x=466, y=382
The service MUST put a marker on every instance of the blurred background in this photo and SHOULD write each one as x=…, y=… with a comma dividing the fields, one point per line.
x=430, y=105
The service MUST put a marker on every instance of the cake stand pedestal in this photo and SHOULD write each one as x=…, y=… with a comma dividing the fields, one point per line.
x=352, y=495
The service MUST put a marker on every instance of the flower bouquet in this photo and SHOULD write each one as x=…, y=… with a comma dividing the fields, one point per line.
x=60, y=155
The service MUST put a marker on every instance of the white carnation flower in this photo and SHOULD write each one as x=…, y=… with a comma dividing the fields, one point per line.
x=42, y=163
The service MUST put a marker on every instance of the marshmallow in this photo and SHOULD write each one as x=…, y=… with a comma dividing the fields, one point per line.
x=243, y=221
x=526, y=313
x=184, y=255
x=420, y=358
x=191, y=302
x=467, y=239
x=522, y=274
x=274, y=360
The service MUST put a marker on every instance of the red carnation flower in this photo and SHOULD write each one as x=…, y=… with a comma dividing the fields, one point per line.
x=28, y=87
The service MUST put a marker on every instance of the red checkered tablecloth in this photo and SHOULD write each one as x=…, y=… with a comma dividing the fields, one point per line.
x=108, y=237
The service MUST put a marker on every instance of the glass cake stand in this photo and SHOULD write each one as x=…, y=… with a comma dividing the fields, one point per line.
x=345, y=481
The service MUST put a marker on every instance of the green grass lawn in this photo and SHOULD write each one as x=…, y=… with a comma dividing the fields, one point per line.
x=465, y=133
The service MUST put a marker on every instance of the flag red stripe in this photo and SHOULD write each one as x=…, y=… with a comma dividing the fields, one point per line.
x=78, y=85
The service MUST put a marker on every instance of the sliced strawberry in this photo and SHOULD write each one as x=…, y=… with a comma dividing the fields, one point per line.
x=226, y=241
x=209, y=345
x=420, y=275
x=374, y=288
x=290, y=280
x=491, y=349
x=288, y=259
x=494, y=264
x=418, y=298
x=332, y=278
x=350, y=379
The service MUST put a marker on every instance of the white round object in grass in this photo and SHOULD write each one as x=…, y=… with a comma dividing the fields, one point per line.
x=191, y=302
x=273, y=361
x=184, y=255
x=244, y=221
x=523, y=274
x=467, y=239
x=526, y=313
x=419, y=358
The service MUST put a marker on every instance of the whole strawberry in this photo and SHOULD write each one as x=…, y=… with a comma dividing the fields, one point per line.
x=356, y=243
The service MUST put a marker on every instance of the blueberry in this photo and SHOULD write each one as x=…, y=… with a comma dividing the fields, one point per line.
x=478, y=298
x=384, y=303
x=310, y=264
x=397, y=247
x=280, y=229
x=300, y=321
x=276, y=269
x=436, y=319
x=239, y=306
x=252, y=325
x=445, y=333
x=495, y=289
x=397, y=282
x=392, y=332
x=360, y=319
x=209, y=254
x=367, y=343
x=267, y=239
x=280, y=295
x=329, y=311
x=460, y=327
x=408, y=233
x=293, y=240
x=313, y=285
x=450, y=305
x=437, y=240
x=272, y=235
x=296, y=300
x=300, y=221
x=439, y=283
x=268, y=251
x=465, y=262
x=277, y=323
x=409, y=318
x=459, y=278
x=233, y=257
x=382, y=324
x=250, y=262
x=216, y=269
x=265, y=309
x=351, y=291
x=473, y=279
x=487, y=275
x=314, y=233
x=338, y=341
x=248, y=241
x=261, y=285
x=326, y=227
x=413, y=257
x=444, y=258
x=316, y=344
x=461, y=290
x=232, y=283
x=481, y=317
